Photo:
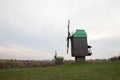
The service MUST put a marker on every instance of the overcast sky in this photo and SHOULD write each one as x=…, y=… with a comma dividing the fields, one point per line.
x=34, y=29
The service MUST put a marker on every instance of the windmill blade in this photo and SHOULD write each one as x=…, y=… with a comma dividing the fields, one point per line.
x=68, y=37
x=67, y=45
x=68, y=28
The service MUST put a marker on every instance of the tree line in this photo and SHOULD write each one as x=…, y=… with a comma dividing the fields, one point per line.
x=13, y=63
x=115, y=58
x=16, y=64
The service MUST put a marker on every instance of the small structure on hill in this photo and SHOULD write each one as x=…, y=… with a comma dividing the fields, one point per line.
x=58, y=59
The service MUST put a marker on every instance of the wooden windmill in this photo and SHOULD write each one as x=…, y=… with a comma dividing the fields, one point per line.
x=79, y=45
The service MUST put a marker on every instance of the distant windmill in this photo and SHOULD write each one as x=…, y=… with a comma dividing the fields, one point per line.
x=79, y=46
x=58, y=59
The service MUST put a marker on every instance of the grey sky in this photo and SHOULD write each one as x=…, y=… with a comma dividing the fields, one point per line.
x=34, y=29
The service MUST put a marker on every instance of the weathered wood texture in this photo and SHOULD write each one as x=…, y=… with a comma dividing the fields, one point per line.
x=79, y=47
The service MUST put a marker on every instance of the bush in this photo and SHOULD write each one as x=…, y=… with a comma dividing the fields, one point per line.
x=8, y=64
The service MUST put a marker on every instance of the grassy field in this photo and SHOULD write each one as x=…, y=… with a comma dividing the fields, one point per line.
x=73, y=71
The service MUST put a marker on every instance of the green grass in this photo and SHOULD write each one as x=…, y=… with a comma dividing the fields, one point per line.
x=74, y=71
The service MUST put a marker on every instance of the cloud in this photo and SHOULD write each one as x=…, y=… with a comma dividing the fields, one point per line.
x=105, y=48
x=18, y=52
x=42, y=24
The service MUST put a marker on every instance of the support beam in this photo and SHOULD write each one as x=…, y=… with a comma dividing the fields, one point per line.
x=79, y=58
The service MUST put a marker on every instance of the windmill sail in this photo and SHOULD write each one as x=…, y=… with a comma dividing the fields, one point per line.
x=68, y=37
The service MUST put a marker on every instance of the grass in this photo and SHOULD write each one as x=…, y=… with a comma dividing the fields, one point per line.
x=73, y=71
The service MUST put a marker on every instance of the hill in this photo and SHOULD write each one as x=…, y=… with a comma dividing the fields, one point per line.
x=73, y=71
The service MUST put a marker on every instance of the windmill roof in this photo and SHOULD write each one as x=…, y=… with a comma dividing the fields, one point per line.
x=80, y=33
x=60, y=57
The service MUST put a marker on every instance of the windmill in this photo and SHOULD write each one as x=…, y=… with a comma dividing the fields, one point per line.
x=58, y=59
x=79, y=46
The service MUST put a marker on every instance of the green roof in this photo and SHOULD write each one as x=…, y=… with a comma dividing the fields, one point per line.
x=60, y=57
x=80, y=33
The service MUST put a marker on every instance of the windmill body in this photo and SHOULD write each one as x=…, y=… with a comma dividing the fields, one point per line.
x=79, y=45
